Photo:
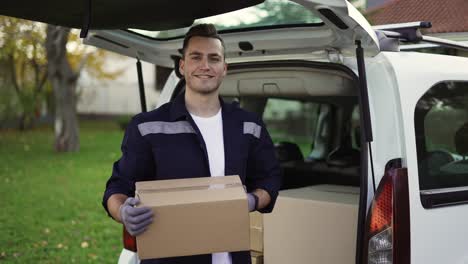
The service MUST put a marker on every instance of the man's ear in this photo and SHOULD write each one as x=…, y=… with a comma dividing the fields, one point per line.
x=225, y=69
x=181, y=66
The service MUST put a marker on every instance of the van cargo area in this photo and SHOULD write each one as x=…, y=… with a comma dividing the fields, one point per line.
x=314, y=118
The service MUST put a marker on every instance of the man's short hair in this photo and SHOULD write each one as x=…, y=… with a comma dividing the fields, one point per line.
x=201, y=30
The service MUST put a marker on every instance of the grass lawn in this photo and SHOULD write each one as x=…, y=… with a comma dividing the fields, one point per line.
x=51, y=203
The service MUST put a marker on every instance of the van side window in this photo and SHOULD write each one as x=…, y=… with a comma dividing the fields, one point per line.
x=292, y=121
x=441, y=126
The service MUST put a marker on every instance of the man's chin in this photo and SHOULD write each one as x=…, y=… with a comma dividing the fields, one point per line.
x=205, y=91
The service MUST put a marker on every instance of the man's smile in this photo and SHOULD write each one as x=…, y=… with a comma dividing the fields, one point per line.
x=203, y=76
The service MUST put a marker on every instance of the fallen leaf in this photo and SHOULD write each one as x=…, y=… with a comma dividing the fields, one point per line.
x=3, y=254
x=59, y=245
x=84, y=244
x=47, y=230
x=93, y=256
x=44, y=243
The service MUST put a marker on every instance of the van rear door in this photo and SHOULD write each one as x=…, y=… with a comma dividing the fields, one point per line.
x=329, y=28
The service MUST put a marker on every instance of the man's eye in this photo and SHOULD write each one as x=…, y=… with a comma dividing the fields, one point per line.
x=196, y=58
x=215, y=59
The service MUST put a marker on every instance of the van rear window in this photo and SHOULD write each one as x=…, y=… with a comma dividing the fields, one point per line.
x=270, y=13
x=441, y=126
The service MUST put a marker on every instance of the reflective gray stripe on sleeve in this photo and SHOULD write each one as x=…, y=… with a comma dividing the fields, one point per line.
x=160, y=127
x=252, y=128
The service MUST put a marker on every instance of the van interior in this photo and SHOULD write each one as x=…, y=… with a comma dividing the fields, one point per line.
x=312, y=115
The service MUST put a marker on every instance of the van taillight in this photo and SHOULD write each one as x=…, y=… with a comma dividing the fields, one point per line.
x=388, y=230
x=129, y=241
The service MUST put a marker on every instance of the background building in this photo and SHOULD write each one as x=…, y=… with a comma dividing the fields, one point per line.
x=121, y=95
x=448, y=18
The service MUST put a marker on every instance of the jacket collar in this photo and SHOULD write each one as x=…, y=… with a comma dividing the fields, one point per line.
x=179, y=111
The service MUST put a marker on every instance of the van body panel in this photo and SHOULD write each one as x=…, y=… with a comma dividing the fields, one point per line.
x=385, y=113
x=438, y=235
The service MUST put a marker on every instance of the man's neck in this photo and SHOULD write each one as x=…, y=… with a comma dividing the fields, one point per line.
x=202, y=105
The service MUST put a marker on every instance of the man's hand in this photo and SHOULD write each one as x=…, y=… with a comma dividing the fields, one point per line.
x=252, y=201
x=258, y=199
x=135, y=220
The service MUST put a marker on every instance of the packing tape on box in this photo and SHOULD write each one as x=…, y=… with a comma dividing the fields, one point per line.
x=190, y=188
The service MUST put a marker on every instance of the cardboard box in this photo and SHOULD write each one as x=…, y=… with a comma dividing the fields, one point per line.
x=194, y=216
x=256, y=257
x=256, y=219
x=316, y=224
x=256, y=231
x=256, y=239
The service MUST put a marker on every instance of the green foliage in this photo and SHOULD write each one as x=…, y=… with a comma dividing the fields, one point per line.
x=51, y=203
x=23, y=68
x=94, y=59
x=9, y=104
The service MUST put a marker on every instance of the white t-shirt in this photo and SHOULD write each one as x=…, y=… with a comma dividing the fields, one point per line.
x=211, y=129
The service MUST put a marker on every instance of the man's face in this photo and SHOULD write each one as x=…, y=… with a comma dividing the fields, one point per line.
x=203, y=65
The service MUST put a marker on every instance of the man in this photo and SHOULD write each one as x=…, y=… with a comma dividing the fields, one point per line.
x=196, y=135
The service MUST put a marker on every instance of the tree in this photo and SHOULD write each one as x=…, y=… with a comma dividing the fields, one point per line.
x=63, y=80
x=23, y=66
x=66, y=59
x=36, y=59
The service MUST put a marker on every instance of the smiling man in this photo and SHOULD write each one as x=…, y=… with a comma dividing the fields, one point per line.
x=196, y=135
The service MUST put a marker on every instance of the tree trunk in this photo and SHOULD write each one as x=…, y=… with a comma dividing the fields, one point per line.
x=63, y=81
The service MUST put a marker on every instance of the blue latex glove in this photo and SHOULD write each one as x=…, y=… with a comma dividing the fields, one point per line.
x=251, y=202
x=135, y=220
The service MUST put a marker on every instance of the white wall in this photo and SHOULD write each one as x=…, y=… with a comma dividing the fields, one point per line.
x=118, y=96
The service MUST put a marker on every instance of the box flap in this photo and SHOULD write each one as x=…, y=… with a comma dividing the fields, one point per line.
x=187, y=182
x=189, y=191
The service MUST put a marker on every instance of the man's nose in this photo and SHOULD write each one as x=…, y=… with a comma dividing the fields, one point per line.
x=204, y=64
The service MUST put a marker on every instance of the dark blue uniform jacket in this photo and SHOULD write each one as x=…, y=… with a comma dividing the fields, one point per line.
x=166, y=144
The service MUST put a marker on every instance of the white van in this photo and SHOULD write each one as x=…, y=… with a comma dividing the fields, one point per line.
x=358, y=123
